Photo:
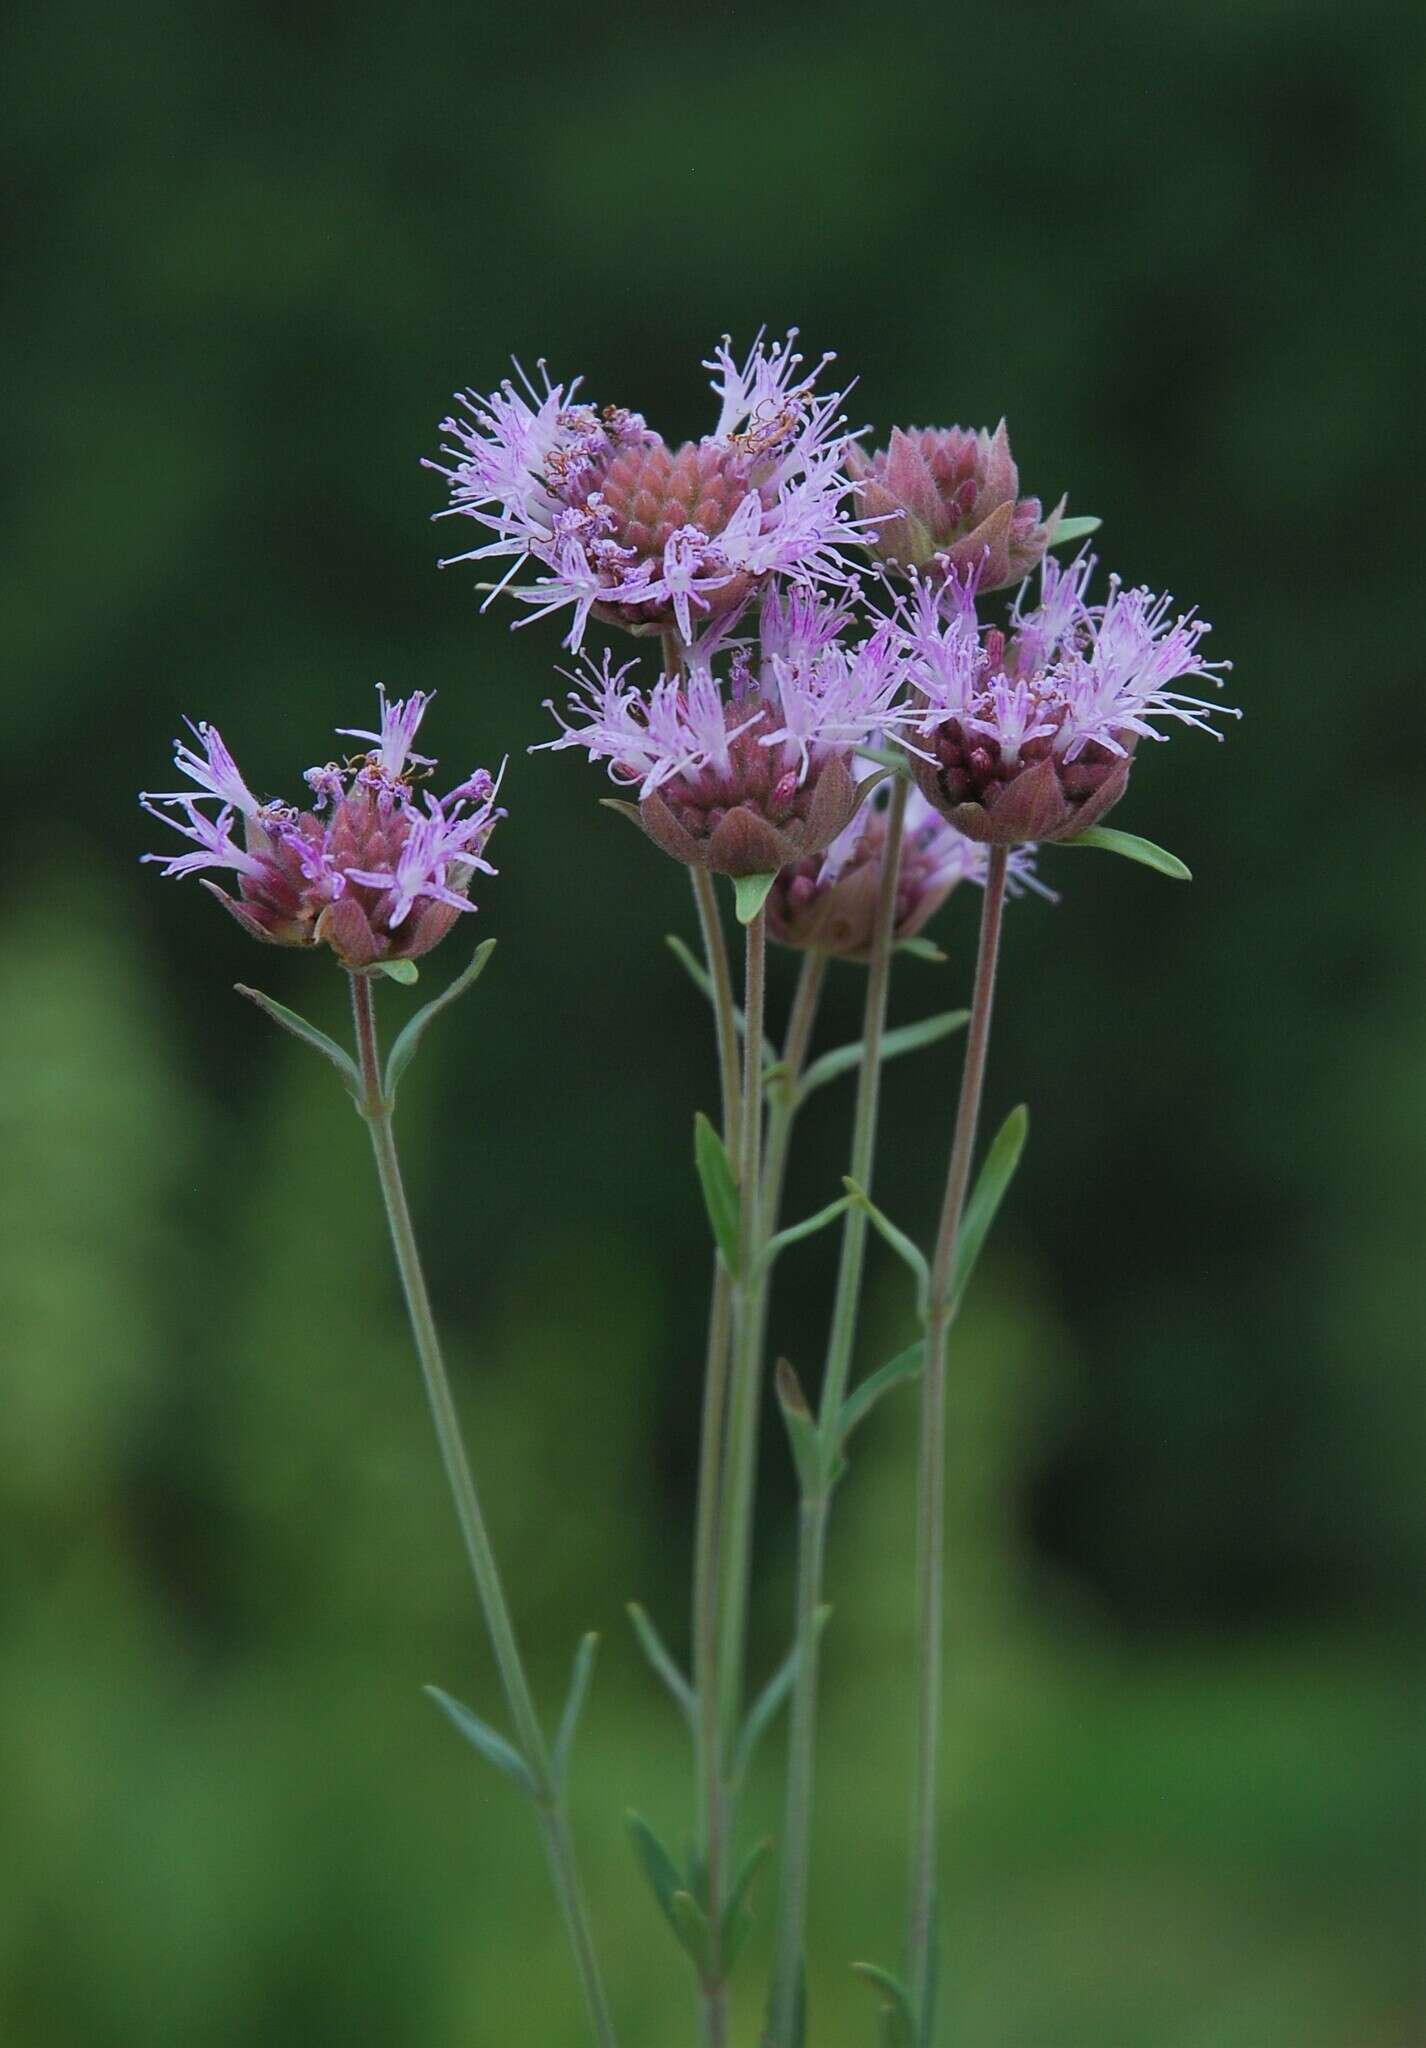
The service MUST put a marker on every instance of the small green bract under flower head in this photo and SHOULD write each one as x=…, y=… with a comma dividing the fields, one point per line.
x=377, y=867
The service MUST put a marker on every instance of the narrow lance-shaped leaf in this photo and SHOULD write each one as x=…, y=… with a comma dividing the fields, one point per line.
x=668, y=1887
x=750, y=893
x=765, y=1708
x=1074, y=529
x=1109, y=840
x=737, y=1914
x=700, y=977
x=651, y=1643
x=690, y=1924
x=308, y=1033
x=795, y=1232
x=720, y=1190
x=481, y=1736
x=574, y=1703
x=864, y=1396
x=843, y=1059
x=900, y=1243
x=885, y=757
x=898, y=2020
x=921, y=949
x=801, y=1427
x=404, y=1048
x=991, y=1182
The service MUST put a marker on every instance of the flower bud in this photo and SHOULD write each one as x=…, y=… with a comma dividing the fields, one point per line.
x=829, y=904
x=944, y=501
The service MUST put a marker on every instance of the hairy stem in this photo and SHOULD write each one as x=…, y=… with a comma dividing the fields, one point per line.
x=930, y=1508
x=782, y=1093
x=747, y=1374
x=708, y=1539
x=816, y=1503
x=549, y=1799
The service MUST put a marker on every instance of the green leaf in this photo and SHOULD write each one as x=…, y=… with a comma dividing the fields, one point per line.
x=651, y=1643
x=664, y=1878
x=898, y=2020
x=885, y=757
x=921, y=949
x=629, y=811
x=737, y=1914
x=750, y=893
x=765, y=1708
x=720, y=1190
x=308, y=1033
x=494, y=1748
x=898, y=1240
x=795, y=1232
x=994, y=1178
x=801, y=1427
x=402, y=1052
x=574, y=1703
x=693, y=967
x=1132, y=847
x=690, y=1924
x=698, y=974
x=404, y=971
x=1074, y=529
x=906, y=1038
x=863, y=1397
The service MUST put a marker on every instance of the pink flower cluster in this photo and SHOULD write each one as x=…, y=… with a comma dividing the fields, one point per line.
x=1030, y=734
x=375, y=869
x=624, y=528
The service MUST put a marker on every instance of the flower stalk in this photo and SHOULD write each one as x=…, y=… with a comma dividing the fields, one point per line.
x=747, y=1363
x=708, y=1540
x=548, y=1796
x=930, y=1513
x=816, y=1499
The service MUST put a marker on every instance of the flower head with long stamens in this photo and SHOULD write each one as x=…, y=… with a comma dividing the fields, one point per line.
x=624, y=528
x=1030, y=734
x=744, y=772
x=375, y=868
x=939, y=501
x=827, y=903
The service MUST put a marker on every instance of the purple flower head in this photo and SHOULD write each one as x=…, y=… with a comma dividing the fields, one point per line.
x=828, y=902
x=1031, y=735
x=624, y=528
x=375, y=869
x=944, y=501
x=745, y=772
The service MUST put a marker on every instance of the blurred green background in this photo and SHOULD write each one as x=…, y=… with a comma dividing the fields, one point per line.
x=250, y=253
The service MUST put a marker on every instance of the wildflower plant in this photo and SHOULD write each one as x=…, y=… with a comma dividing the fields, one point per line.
x=378, y=870
x=830, y=710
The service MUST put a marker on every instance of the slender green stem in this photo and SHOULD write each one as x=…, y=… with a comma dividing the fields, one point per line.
x=715, y=952
x=782, y=1093
x=816, y=1504
x=747, y=1375
x=708, y=1540
x=549, y=1801
x=930, y=1511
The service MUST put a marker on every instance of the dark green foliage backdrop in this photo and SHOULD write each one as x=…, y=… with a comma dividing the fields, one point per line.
x=250, y=253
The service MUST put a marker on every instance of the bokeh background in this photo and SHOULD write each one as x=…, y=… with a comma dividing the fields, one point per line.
x=251, y=251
